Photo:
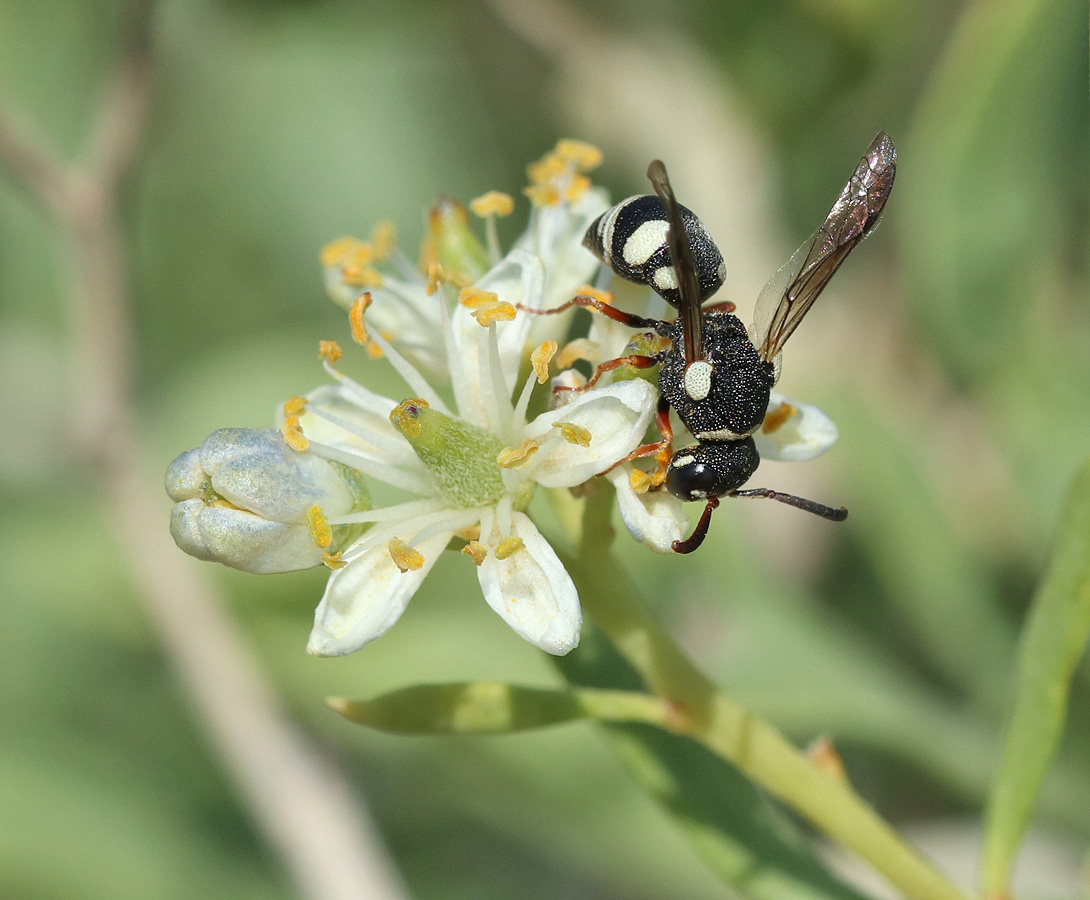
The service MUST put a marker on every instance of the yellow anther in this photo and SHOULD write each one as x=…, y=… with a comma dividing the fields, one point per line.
x=476, y=551
x=601, y=296
x=494, y=203
x=576, y=188
x=383, y=239
x=361, y=276
x=474, y=297
x=435, y=277
x=361, y=254
x=585, y=156
x=776, y=418
x=640, y=481
x=580, y=348
x=547, y=169
x=293, y=434
x=540, y=359
x=355, y=317
x=330, y=351
x=374, y=351
x=494, y=312
x=471, y=533
x=320, y=528
x=509, y=547
x=294, y=406
x=404, y=556
x=517, y=457
x=333, y=254
x=542, y=194
x=333, y=560
x=404, y=417
x=574, y=434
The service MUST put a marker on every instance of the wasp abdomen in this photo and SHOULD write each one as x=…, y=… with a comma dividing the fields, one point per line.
x=631, y=238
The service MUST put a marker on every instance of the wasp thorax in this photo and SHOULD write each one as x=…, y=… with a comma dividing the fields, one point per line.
x=711, y=469
x=631, y=238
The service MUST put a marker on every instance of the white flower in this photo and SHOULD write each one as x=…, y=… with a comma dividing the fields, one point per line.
x=247, y=500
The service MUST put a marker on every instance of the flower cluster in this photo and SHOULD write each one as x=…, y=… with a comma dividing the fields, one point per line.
x=473, y=442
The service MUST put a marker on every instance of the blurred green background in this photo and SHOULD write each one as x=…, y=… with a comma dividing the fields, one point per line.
x=953, y=351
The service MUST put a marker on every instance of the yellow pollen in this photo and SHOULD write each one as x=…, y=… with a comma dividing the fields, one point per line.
x=361, y=276
x=490, y=313
x=517, y=457
x=435, y=277
x=384, y=239
x=333, y=254
x=540, y=359
x=294, y=406
x=542, y=194
x=476, y=551
x=547, y=169
x=404, y=416
x=293, y=434
x=333, y=560
x=585, y=156
x=374, y=351
x=601, y=296
x=320, y=529
x=580, y=348
x=574, y=434
x=494, y=203
x=330, y=351
x=640, y=481
x=355, y=317
x=776, y=418
x=404, y=556
x=474, y=297
x=509, y=547
x=578, y=186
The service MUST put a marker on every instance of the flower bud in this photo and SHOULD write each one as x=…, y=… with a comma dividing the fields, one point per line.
x=243, y=499
x=456, y=247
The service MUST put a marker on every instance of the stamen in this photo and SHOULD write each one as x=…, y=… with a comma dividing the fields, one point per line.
x=355, y=317
x=404, y=416
x=334, y=253
x=542, y=194
x=398, y=512
x=376, y=467
x=293, y=434
x=407, y=371
x=640, y=480
x=574, y=434
x=508, y=547
x=547, y=169
x=579, y=185
x=493, y=203
x=517, y=457
x=488, y=314
x=294, y=406
x=585, y=156
x=580, y=348
x=540, y=359
x=374, y=351
x=435, y=277
x=776, y=418
x=476, y=551
x=384, y=239
x=333, y=560
x=404, y=556
x=474, y=297
x=472, y=533
x=330, y=351
x=319, y=527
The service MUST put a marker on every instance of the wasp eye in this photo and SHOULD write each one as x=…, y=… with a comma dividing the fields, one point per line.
x=711, y=469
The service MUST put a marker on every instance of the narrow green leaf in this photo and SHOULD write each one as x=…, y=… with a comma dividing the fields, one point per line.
x=1055, y=636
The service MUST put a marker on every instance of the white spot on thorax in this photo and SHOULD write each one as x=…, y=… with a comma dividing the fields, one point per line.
x=665, y=278
x=698, y=379
x=723, y=434
x=687, y=460
x=645, y=242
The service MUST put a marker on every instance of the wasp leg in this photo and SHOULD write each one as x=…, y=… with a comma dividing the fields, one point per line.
x=695, y=539
x=637, y=360
x=725, y=307
x=834, y=514
x=661, y=450
x=598, y=306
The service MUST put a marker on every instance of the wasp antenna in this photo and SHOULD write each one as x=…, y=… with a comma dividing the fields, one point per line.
x=695, y=539
x=833, y=513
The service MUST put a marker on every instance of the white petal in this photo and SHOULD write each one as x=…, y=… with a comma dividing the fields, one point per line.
x=655, y=518
x=616, y=416
x=242, y=540
x=532, y=590
x=366, y=597
x=805, y=435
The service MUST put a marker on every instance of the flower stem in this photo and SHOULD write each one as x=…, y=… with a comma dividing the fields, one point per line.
x=729, y=730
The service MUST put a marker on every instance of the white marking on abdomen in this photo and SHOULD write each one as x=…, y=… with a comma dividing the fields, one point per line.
x=723, y=434
x=645, y=242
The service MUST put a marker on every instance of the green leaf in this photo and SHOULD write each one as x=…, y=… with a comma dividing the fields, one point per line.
x=1055, y=636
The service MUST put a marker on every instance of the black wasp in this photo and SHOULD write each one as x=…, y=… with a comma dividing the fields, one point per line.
x=713, y=374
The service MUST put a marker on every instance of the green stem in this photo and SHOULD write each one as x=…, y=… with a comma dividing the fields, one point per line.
x=729, y=730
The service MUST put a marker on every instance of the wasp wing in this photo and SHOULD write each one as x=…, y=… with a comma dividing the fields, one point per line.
x=791, y=292
x=688, y=283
